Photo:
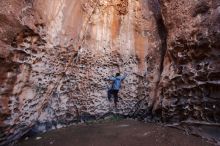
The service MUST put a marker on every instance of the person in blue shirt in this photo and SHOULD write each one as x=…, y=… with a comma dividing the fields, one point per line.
x=116, y=85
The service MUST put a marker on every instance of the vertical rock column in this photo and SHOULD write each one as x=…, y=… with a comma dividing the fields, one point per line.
x=190, y=79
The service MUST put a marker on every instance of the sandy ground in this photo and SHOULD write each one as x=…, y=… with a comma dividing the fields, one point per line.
x=120, y=133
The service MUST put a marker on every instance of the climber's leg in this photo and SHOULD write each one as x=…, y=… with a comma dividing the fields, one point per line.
x=115, y=93
x=110, y=92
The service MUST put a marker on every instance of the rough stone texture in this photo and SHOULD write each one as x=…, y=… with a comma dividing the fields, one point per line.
x=55, y=54
x=190, y=86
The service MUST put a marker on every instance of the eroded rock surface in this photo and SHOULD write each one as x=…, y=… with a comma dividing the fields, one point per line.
x=190, y=80
x=55, y=55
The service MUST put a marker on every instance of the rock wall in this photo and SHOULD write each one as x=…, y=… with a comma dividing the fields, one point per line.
x=190, y=80
x=55, y=54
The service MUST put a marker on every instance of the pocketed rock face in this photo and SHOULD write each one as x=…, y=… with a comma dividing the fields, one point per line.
x=54, y=56
x=190, y=84
x=114, y=36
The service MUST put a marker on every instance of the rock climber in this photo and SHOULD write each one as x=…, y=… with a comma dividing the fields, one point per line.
x=116, y=85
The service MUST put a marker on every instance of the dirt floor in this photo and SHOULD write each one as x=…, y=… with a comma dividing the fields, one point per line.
x=120, y=133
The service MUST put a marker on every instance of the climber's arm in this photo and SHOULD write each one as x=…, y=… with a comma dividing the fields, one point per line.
x=110, y=78
x=124, y=76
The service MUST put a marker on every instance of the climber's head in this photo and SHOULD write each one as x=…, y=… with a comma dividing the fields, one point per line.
x=117, y=74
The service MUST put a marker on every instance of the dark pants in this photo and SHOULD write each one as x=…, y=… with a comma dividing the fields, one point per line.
x=114, y=93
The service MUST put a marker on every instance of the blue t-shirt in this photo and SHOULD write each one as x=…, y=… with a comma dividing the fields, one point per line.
x=117, y=82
